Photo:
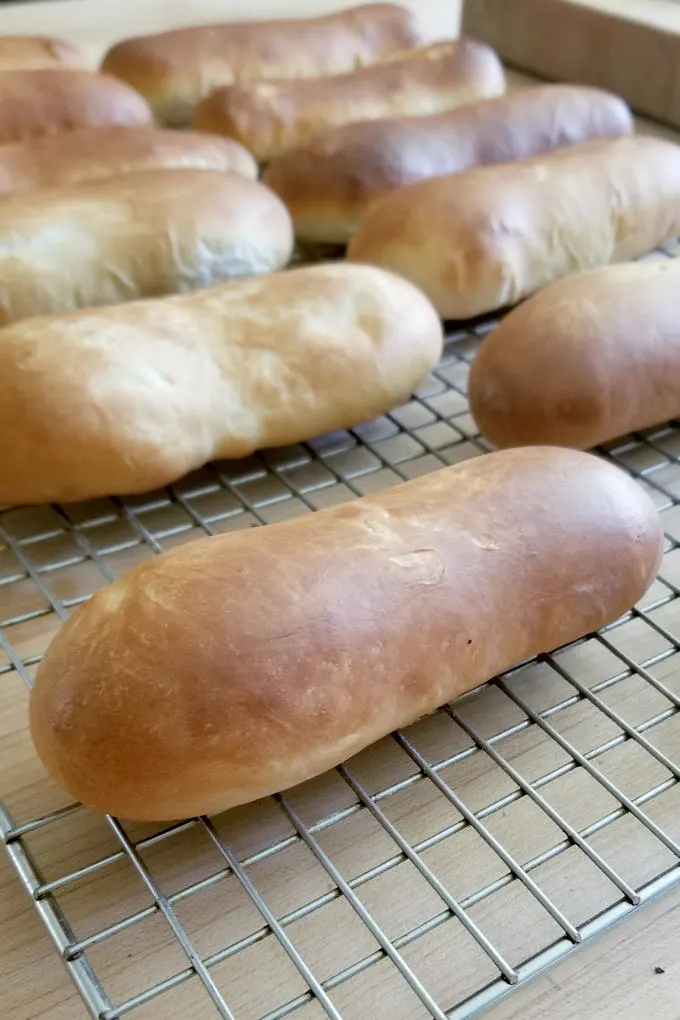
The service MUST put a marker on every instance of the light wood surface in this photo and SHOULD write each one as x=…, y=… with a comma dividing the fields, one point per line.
x=614, y=977
x=629, y=47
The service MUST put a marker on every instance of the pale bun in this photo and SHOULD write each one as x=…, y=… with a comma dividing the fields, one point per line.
x=135, y=236
x=91, y=153
x=129, y=398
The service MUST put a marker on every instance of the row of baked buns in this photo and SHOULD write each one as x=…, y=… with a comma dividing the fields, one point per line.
x=152, y=322
x=106, y=214
x=410, y=194
x=279, y=349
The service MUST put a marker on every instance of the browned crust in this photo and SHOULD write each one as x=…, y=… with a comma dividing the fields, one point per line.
x=272, y=117
x=329, y=183
x=586, y=360
x=48, y=101
x=175, y=69
x=487, y=238
x=242, y=664
x=92, y=153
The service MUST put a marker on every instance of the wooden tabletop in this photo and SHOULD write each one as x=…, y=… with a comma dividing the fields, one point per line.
x=630, y=971
x=615, y=978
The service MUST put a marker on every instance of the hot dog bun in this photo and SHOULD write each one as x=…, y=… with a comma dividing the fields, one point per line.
x=586, y=360
x=329, y=182
x=240, y=665
x=130, y=398
x=49, y=101
x=134, y=236
x=270, y=117
x=176, y=69
x=478, y=241
x=92, y=153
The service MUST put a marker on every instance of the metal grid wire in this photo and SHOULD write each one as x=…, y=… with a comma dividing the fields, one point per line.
x=433, y=872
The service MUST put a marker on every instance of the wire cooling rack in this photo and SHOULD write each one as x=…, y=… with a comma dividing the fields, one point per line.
x=433, y=872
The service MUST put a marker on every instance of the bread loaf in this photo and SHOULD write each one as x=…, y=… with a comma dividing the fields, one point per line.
x=176, y=69
x=130, y=398
x=92, y=153
x=47, y=101
x=240, y=665
x=33, y=52
x=138, y=235
x=329, y=183
x=482, y=240
x=270, y=117
x=586, y=360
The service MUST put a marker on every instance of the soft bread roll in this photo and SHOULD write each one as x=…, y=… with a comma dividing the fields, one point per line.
x=478, y=241
x=270, y=117
x=32, y=52
x=130, y=398
x=45, y=102
x=241, y=665
x=92, y=153
x=329, y=183
x=586, y=360
x=176, y=69
x=134, y=236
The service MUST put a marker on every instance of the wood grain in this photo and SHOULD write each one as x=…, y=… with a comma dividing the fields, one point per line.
x=630, y=48
x=615, y=977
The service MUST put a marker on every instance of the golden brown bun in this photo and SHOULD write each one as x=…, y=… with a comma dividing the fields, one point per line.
x=130, y=398
x=92, y=153
x=329, y=183
x=478, y=241
x=271, y=117
x=133, y=236
x=48, y=101
x=586, y=360
x=240, y=665
x=176, y=69
x=32, y=52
